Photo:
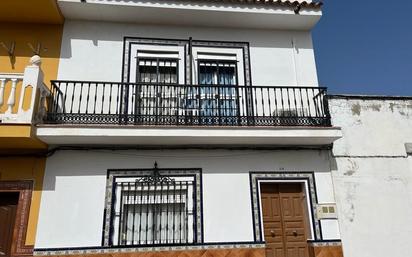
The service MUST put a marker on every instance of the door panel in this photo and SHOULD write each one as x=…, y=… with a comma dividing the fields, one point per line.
x=8, y=208
x=273, y=232
x=272, y=222
x=293, y=251
x=284, y=220
x=275, y=250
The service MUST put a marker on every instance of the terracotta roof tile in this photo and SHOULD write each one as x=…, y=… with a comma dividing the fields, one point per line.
x=287, y=3
x=297, y=5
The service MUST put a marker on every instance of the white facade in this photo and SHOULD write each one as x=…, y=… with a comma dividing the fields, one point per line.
x=269, y=45
x=368, y=169
x=374, y=174
x=94, y=51
x=99, y=51
x=72, y=207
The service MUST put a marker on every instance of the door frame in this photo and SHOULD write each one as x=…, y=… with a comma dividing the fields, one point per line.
x=307, y=177
x=306, y=192
x=25, y=189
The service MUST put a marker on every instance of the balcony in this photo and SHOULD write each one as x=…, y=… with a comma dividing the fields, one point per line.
x=85, y=112
x=22, y=104
x=76, y=102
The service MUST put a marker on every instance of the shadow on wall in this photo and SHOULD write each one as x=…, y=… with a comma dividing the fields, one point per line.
x=28, y=39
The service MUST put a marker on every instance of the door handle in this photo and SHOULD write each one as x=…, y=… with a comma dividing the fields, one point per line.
x=272, y=233
x=294, y=233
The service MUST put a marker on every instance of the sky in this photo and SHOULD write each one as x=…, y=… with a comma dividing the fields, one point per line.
x=365, y=47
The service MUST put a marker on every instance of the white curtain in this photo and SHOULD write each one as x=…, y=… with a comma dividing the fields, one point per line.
x=218, y=74
x=162, y=72
x=154, y=223
x=158, y=71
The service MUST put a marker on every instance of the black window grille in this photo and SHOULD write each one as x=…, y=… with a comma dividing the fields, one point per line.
x=157, y=70
x=154, y=210
x=153, y=100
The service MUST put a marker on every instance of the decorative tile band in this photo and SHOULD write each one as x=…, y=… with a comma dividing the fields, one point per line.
x=106, y=250
x=129, y=41
x=325, y=243
x=102, y=250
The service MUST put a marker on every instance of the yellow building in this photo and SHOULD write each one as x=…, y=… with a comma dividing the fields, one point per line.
x=30, y=39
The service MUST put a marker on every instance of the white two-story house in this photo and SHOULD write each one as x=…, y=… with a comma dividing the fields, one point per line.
x=189, y=128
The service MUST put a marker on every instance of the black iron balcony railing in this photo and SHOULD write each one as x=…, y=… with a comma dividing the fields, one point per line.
x=86, y=102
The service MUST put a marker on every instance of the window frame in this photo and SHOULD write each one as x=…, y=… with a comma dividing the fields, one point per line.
x=154, y=51
x=124, y=196
x=158, y=57
x=131, y=44
x=216, y=53
x=229, y=106
x=218, y=61
x=188, y=51
x=113, y=174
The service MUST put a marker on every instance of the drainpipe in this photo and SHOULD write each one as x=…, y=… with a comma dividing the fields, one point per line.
x=191, y=61
x=295, y=66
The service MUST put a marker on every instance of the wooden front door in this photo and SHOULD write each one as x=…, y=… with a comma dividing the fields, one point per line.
x=284, y=219
x=8, y=208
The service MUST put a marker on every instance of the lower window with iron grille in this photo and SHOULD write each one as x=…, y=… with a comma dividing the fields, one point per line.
x=154, y=210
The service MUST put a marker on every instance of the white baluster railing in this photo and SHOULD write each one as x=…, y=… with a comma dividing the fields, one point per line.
x=9, y=81
x=2, y=84
x=32, y=78
x=12, y=98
